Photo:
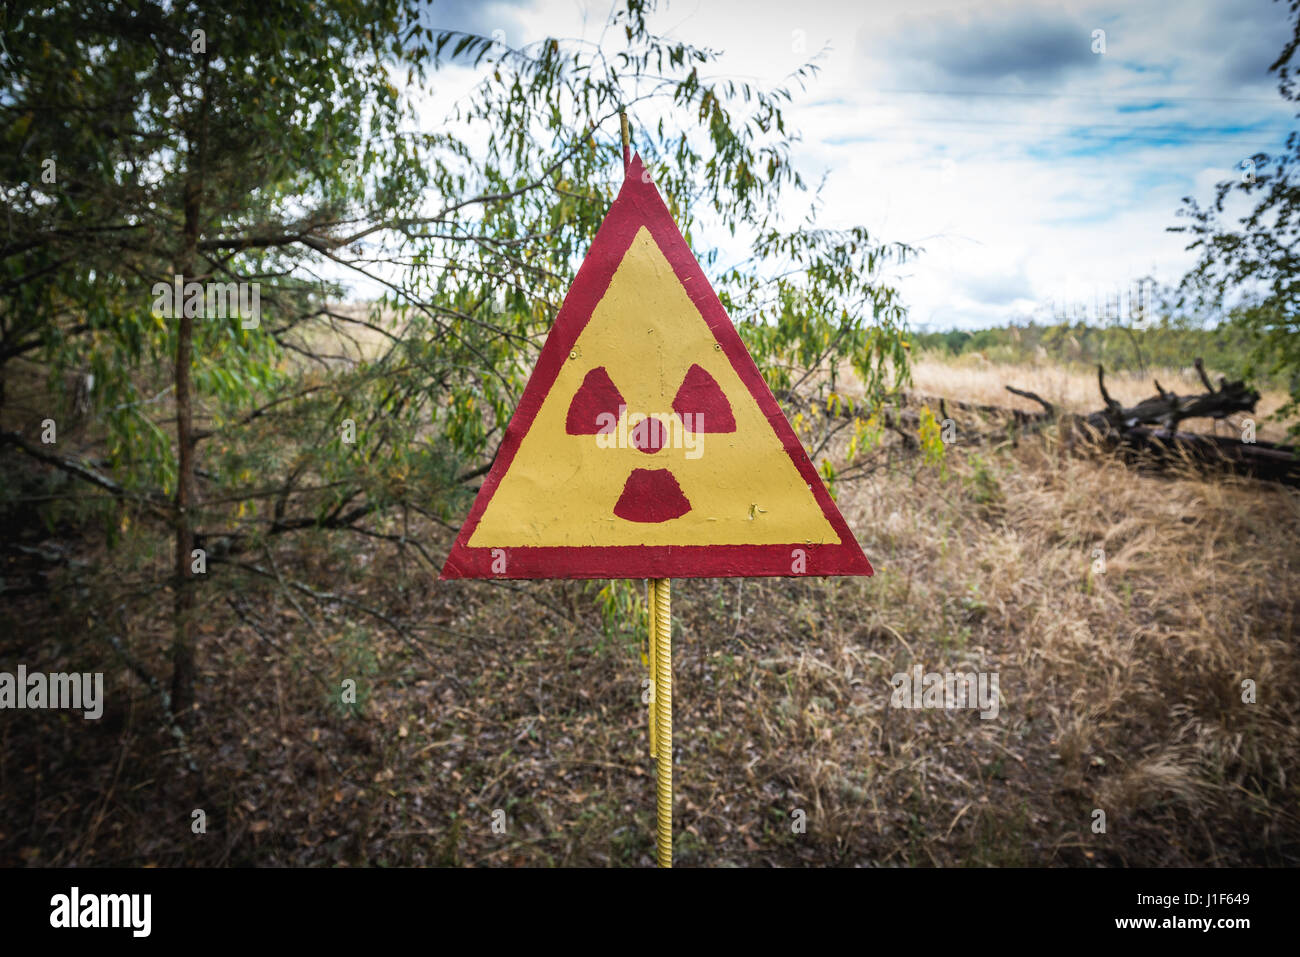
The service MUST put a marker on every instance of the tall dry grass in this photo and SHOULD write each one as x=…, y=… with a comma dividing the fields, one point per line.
x=1122, y=677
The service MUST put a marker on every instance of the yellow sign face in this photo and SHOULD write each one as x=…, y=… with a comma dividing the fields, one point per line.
x=562, y=489
x=646, y=443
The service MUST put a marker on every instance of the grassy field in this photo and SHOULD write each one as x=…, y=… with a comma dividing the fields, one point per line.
x=1122, y=612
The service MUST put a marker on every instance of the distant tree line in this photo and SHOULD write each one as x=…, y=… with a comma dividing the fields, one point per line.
x=1167, y=343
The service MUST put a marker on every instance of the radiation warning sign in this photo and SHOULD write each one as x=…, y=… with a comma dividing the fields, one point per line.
x=646, y=443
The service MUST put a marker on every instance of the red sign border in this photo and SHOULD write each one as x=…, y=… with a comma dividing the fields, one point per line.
x=639, y=204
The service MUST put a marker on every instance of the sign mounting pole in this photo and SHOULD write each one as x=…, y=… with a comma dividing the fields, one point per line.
x=663, y=698
x=627, y=140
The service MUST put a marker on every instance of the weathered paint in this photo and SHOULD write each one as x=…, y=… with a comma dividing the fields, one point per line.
x=719, y=485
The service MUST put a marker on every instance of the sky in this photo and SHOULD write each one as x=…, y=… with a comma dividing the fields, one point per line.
x=1035, y=152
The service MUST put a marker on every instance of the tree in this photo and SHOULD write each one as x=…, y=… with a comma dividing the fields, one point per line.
x=157, y=141
x=269, y=144
x=1250, y=272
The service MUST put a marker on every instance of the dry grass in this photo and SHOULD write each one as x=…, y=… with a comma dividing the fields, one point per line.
x=1121, y=691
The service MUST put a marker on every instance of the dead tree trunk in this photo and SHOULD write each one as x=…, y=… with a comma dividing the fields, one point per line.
x=1167, y=409
x=1148, y=433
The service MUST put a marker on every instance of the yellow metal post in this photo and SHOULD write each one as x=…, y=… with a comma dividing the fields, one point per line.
x=651, y=645
x=627, y=140
x=663, y=699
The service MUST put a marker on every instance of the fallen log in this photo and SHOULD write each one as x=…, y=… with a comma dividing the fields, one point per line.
x=1148, y=447
x=1147, y=434
x=1167, y=409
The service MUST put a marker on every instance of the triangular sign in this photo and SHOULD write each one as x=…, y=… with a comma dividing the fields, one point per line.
x=646, y=443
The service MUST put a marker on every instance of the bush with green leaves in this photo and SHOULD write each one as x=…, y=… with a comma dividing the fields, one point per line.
x=299, y=145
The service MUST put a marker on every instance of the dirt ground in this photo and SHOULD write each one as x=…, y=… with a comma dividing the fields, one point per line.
x=1122, y=612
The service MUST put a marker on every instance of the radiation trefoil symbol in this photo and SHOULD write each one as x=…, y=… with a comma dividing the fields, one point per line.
x=646, y=443
x=651, y=494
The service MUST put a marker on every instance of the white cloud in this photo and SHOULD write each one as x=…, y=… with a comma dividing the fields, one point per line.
x=1029, y=168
